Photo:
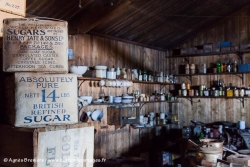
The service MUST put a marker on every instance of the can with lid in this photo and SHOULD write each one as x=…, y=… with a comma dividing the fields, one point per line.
x=187, y=86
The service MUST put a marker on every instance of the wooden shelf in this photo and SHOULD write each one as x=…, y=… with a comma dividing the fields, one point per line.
x=141, y=102
x=134, y=81
x=190, y=98
x=209, y=54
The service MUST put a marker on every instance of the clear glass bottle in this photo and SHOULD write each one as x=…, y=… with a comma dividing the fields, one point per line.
x=140, y=76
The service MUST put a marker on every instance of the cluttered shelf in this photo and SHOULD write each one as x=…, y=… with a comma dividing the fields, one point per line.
x=140, y=102
x=134, y=81
x=209, y=54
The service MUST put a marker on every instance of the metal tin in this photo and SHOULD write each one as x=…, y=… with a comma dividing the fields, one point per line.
x=190, y=92
x=187, y=86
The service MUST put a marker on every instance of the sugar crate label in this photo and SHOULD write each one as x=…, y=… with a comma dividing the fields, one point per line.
x=45, y=99
x=32, y=44
x=71, y=147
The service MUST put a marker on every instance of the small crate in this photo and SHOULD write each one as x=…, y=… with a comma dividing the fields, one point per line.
x=243, y=67
x=120, y=116
x=216, y=47
x=208, y=47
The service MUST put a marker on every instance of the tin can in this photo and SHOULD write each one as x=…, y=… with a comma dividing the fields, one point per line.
x=192, y=68
x=190, y=92
x=187, y=86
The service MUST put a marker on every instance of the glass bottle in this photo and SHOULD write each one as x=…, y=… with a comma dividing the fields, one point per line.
x=218, y=66
x=229, y=66
x=140, y=76
x=144, y=75
x=235, y=66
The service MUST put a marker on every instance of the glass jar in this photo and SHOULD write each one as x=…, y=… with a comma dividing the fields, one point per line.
x=236, y=92
x=229, y=92
x=242, y=92
x=186, y=132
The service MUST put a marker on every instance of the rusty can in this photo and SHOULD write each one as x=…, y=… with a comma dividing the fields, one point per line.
x=190, y=92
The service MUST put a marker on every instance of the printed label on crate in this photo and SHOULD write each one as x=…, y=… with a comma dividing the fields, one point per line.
x=35, y=45
x=42, y=99
x=17, y=7
x=71, y=147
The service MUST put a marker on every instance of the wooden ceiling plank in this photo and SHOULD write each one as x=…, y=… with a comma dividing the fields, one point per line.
x=125, y=41
x=85, y=29
x=71, y=13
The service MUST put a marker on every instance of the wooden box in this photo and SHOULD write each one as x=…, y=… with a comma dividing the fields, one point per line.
x=69, y=145
x=17, y=7
x=37, y=99
x=4, y=15
x=120, y=116
x=35, y=45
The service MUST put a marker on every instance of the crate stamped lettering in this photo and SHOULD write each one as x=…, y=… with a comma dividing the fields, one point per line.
x=42, y=99
x=35, y=45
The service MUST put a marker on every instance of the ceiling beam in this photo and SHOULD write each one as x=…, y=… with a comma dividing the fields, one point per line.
x=82, y=28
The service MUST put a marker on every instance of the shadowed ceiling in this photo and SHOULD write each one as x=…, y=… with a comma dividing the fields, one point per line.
x=158, y=24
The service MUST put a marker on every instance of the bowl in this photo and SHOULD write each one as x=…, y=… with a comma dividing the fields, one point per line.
x=97, y=115
x=78, y=70
x=86, y=98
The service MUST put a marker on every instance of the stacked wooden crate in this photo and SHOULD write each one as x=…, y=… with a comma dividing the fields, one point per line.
x=41, y=98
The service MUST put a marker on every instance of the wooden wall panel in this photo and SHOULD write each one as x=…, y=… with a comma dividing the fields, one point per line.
x=109, y=141
x=235, y=29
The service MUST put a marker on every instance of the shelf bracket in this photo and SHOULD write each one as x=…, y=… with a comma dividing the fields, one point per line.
x=241, y=76
x=81, y=84
x=141, y=106
x=240, y=55
x=162, y=86
x=242, y=101
x=191, y=100
x=190, y=78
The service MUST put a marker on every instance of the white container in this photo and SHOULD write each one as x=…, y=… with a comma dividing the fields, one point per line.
x=111, y=74
x=100, y=71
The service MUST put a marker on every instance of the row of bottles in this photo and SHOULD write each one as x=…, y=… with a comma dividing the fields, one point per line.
x=217, y=88
x=226, y=66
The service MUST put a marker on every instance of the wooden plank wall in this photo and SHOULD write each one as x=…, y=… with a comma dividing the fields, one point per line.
x=234, y=29
x=93, y=50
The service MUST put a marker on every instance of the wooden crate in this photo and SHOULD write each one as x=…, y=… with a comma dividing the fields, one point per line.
x=37, y=99
x=4, y=15
x=74, y=143
x=35, y=45
x=17, y=7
